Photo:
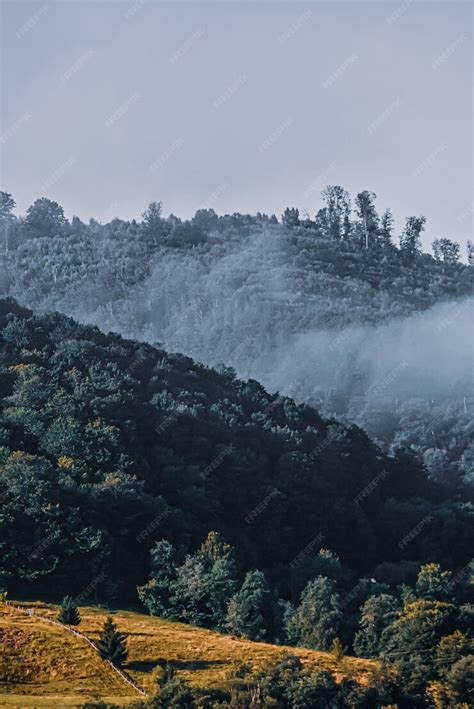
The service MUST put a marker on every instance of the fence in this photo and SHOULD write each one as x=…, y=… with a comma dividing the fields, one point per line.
x=31, y=612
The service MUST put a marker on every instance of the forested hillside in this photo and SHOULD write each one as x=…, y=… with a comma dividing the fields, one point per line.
x=101, y=436
x=327, y=310
x=117, y=458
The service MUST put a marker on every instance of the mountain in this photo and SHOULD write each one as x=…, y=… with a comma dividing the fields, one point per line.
x=109, y=444
x=377, y=336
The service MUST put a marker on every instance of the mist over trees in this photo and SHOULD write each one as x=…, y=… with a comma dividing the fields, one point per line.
x=117, y=457
x=326, y=310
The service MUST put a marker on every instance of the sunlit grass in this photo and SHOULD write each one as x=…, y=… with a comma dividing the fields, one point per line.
x=43, y=665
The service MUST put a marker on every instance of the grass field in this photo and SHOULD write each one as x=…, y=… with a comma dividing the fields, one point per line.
x=42, y=665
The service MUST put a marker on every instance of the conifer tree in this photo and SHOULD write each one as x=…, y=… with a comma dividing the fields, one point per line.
x=112, y=645
x=69, y=612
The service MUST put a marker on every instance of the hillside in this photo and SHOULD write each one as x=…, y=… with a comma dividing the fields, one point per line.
x=44, y=666
x=377, y=336
x=108, y=444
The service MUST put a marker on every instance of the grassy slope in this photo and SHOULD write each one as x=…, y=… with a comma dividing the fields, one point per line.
x=44, y=666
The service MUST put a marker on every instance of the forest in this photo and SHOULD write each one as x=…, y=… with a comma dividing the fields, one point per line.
x=329, y=310
x=260, y=446
x=117, y=459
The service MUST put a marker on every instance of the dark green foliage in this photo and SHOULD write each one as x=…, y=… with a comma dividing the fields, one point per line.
x=377, y=613
x=460, y=679
x=249, y=611
x=315, y=622
x=156, y=593
x=171, y=691
x=197, y=590
x=411, y=640
x=107, y=445
x=69, y=612
x=112, y=645
x=110, y=444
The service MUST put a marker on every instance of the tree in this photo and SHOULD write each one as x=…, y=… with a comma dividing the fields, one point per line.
x=290, y=218
x=470, y=253
x=189, y=592
x=338, y=210
x=338, y=651
x=410, y=238
x=153, y=222
x=316, y=621
x=315, y=691
x=44, y=218
x=249, y=609
x=386, y=227
x=446, y=251
x=460, y=680
x=452, y=648
x=378, y=612
x=112, y=645
x=69, y=612
x=156, y=593
x=433, y=583
x=220, y=580
x=7, y=205
x=367, y=213
x=411, y=641
x=206, y=219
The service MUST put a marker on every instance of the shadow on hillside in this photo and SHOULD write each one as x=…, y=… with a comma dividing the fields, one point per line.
x=148, y=665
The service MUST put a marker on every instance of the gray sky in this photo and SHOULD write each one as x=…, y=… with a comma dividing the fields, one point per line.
x=239, y=105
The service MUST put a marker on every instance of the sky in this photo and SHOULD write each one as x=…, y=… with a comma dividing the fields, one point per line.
x=239, y=105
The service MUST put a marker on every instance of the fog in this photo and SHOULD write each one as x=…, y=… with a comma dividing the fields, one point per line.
x=251, y=306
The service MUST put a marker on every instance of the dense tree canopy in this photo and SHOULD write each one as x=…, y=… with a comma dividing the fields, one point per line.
x=302, y=306
x=106, y=442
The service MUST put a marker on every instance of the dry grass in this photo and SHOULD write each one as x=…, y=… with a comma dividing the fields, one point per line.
x=44, y=666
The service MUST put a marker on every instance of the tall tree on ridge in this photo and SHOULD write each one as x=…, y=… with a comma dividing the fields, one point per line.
x=446, y=251
x=386, y=227
x=367, y=213
x=44, y=218
x=410, y=239
x=338, y=211
x=7, y=205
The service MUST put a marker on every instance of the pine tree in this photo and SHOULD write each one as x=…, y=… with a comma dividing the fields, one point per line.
x=338, y=650
x=112, y=645
x=69, y=612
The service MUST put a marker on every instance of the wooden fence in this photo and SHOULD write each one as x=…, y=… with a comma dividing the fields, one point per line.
x=31, y=612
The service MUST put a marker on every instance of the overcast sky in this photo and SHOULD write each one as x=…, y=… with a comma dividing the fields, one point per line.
x=239, y=105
